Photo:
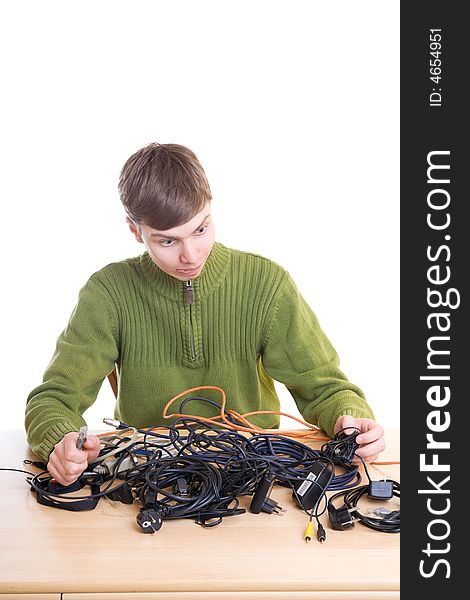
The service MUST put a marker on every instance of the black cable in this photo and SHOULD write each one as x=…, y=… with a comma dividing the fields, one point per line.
x=342, y=518
x=17, y=471
x=198, y=470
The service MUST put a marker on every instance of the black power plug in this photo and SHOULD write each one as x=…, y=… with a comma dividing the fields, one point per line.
x=123, y=494
x=150, y=520
x=340, y=518
x=271, y=506
x=261, y=500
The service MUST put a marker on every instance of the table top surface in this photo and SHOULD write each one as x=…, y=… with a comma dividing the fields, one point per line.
x=44, y=550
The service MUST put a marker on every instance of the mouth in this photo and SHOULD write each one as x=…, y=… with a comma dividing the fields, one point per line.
x=188, y=271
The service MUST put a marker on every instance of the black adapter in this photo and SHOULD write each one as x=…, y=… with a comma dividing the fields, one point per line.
x=380, y=490
x=261, y=500
x=308, y=491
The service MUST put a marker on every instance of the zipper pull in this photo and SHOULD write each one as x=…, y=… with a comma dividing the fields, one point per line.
x=189, y=291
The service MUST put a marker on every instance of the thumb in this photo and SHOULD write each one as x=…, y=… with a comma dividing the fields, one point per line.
x=92, y=446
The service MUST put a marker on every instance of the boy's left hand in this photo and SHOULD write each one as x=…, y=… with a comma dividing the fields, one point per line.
x=371, y=441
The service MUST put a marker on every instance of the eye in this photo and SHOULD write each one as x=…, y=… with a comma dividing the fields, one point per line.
x=167, y=243
x=201, y=230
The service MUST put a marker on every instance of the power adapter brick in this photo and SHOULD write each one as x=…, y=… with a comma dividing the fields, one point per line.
x=307, y=492
x=380, y=490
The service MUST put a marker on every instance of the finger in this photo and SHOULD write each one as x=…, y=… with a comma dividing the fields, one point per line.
x=56, y=474
x=371, y=450
x=64, y=474
x=92, y=441
x=70, y=453
x=55, y=460
x=347, y=424
x=368, y=460
x=92, y=445
x=373, y=432
x=66, y=450
x=66, y=471
x=70, y=472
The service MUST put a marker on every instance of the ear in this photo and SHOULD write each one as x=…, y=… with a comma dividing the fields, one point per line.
x=134, y=230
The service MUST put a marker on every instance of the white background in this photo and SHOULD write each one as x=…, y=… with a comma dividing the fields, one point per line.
x=292, y=109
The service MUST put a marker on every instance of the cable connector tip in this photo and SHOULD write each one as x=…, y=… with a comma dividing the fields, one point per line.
x=112, y=423
x=82, y=437
x=308, y=532
x=272, y=507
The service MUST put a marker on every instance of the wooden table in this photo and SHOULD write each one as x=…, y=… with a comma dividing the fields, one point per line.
x=102, y=554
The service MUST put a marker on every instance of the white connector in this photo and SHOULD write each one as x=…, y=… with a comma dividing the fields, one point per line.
x=380, y=512
x=107, y=466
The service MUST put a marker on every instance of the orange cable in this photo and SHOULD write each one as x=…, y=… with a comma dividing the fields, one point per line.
x=311, y=433
x=248, y=426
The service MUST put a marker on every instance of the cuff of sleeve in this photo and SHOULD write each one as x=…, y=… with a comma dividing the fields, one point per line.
x=328, y=418
x=51, y=437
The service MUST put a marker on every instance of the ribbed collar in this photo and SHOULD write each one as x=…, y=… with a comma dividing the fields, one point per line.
x=211, y=276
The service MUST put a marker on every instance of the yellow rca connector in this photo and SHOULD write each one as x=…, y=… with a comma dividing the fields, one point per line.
x=308, y=532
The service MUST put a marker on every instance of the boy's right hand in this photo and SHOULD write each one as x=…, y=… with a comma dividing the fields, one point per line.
x=67, y=462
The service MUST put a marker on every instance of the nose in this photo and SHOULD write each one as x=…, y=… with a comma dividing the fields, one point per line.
x=188, y=253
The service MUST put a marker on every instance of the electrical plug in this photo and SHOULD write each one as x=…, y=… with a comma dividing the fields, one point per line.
x=107, y=467
x=261, y=502
x=379, y=512
x=150, y=520
x=271, y=506
x=380, y=490
x=123, y=493
x=340, y=518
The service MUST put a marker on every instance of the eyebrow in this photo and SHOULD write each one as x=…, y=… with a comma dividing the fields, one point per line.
x=173, y=237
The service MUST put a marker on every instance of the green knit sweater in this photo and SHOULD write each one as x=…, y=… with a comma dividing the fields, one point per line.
x=245, y=325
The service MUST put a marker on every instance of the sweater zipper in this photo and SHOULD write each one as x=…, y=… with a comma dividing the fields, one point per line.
x=189, y=298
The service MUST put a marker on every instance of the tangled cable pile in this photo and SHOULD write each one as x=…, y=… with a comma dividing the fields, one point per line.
x=198, y=468
x=194, y=470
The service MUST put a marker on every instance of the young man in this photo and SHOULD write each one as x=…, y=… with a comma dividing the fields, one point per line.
x=188, y=312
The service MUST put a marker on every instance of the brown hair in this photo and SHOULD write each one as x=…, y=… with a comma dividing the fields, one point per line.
x=163, y=186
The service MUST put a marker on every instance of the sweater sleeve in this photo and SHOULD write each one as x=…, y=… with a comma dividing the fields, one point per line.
x=296, y=352
x=86, y=352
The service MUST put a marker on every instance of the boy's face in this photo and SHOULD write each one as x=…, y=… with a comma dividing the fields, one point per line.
x=182, y=251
